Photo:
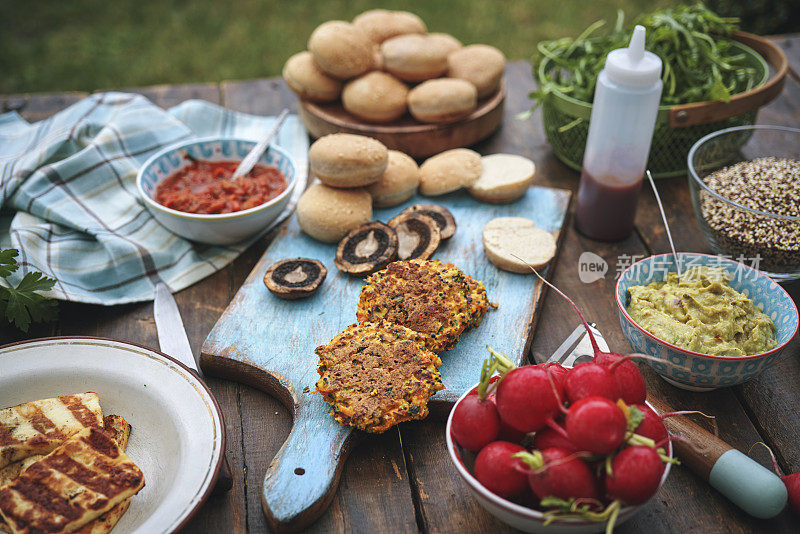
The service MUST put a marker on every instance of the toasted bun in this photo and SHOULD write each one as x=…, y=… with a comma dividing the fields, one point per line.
x=307, y=80
x=442, y=100
x=507, y=238
x=398, y=183
x=375, y=97
x=445, y=41
x=449, y=171
x=382, y=24
x=347, y=160
x=340, y=49
x=505, y=178
x=412, y=58
x=481, y=65
x=327, y=214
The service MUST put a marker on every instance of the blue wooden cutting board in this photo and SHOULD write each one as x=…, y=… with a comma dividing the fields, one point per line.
x=269, y=343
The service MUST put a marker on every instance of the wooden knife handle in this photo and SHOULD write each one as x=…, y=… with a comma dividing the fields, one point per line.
x=698, y=448
x=749, y=485
x=224, y=480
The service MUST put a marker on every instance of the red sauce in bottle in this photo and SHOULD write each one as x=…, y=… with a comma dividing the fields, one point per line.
x=206, y=187
x=606, y=207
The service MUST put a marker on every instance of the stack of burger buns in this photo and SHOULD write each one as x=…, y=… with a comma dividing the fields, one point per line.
x=384, y=64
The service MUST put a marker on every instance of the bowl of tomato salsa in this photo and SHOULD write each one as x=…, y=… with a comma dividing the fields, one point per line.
x=189, y=189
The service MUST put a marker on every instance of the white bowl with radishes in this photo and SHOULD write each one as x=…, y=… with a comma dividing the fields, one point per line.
x=513, y=490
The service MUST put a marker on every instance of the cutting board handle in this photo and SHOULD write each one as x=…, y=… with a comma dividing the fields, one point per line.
x=302, y=478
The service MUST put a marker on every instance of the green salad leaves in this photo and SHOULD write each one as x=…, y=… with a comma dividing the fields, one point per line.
x=23, y=304
x=700, y=62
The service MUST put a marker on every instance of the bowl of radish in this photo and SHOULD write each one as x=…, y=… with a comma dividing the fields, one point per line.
x=703, y=372
x=546, y=449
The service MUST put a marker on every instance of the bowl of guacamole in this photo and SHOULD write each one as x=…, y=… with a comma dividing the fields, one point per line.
x=718, y=324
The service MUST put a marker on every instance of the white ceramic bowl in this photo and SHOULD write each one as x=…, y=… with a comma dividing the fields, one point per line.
x=214, y=229
x=518, y=516
x=177, y=431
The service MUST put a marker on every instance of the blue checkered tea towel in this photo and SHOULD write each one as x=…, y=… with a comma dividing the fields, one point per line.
x=70, y=204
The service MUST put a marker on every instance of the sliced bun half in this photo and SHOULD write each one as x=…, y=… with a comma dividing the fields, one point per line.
x=514, y=243
x=504, y=178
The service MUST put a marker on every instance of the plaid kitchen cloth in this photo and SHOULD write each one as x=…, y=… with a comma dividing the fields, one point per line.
x=70, y=204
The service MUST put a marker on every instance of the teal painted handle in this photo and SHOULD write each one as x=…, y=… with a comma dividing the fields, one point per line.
x=751, y=486
x=303, y=476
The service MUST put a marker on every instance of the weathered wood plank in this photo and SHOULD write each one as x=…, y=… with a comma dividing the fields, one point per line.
x=37, y=106
x=167, y=96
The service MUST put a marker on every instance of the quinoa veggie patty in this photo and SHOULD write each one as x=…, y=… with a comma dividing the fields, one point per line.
x=376, y=375
x=432, y=298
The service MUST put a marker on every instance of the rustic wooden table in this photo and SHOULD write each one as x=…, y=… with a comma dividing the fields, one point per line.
x=402, y=481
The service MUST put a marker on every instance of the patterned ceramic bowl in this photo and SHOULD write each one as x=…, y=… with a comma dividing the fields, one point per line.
x=214, y=229
x=518, y=516
x=702, y=372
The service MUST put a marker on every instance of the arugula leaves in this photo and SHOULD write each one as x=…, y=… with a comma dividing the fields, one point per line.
x=700, y=62
x=21, y=304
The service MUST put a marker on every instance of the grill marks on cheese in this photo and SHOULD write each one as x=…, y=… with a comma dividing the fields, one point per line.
x=40, y=426
x=80, y=480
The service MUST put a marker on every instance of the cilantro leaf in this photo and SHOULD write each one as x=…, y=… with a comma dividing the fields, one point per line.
x=22, y=304
x=7, y=262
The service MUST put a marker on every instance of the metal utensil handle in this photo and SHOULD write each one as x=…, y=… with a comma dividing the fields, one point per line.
x=252, y=157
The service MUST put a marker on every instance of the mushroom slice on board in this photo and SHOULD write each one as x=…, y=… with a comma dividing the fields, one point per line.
x=295, y=278
x=366, y=249
x=418, y=235
x=444, y=219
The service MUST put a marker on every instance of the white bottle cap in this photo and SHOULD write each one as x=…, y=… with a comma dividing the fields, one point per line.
x=633, y=65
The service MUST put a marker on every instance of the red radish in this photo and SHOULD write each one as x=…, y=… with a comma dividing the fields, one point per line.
x=635, y=475
x=629, y=380
x=596, y=424
x=547, y=438
x=559, y=473
x=527, y=399
x=498, y=471
x=557, y=371
x=652, y=426
x=475, y=422
x=507, y=432
x=590, y=380
x=792, y=483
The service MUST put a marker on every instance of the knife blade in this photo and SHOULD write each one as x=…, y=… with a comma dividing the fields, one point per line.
x=172, y=340
x=170, y=330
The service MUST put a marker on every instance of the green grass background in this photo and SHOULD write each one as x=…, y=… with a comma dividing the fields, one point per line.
x=61, y=45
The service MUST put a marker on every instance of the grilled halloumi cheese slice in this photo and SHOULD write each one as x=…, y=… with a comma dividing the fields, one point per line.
x=80, y=480
x=40, y=426
x=120, y=430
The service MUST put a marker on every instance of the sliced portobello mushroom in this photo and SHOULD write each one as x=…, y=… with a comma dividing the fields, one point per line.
x=444, y=219
x=366, y=249
x=418, y=235
x=295, y=278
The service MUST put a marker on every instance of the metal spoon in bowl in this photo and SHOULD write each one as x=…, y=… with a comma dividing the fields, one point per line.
x=666, y=224
x=252, y=157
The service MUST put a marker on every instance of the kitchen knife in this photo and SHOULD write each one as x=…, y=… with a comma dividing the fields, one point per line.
x=748, y=484
x=172, y=340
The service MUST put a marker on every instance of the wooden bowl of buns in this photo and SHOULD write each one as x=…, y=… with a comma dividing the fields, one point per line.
x=385, y=77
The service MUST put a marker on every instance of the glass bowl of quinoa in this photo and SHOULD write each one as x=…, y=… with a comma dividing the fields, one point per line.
x=745, y=186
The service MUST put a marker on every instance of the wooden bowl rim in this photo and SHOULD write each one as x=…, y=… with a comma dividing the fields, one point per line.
x=484, y=108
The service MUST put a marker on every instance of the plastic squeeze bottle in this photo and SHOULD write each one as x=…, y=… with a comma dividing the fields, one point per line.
x=624, y=112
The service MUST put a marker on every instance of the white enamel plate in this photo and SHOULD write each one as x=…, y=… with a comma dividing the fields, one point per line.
x=177, y=436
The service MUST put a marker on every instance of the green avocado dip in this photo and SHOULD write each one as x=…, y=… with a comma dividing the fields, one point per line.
x=701, y=312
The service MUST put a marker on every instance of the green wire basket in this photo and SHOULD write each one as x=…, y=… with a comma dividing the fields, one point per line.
x=566, y=120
